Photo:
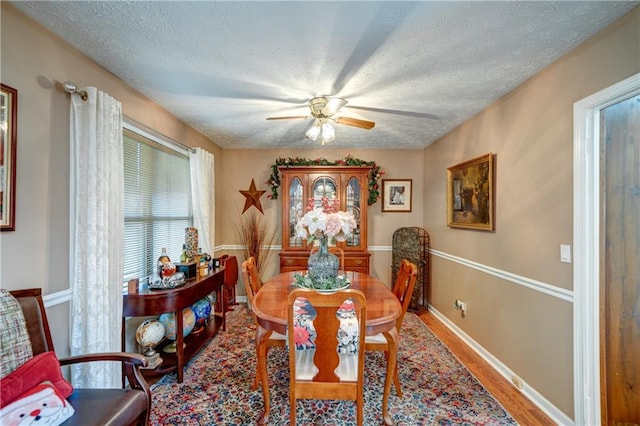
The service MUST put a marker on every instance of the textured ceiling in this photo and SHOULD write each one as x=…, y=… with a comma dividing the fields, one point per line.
x=417, y=69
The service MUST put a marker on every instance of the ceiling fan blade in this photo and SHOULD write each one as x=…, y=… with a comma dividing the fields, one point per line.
x=397, y=112
x=293, y=117
x=355, y=122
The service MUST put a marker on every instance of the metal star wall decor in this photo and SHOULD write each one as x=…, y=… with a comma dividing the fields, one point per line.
x=252, y=197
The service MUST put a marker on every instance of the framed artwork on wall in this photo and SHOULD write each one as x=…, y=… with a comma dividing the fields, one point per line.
x=8, y=129
x=396, y=195
x=470, y=194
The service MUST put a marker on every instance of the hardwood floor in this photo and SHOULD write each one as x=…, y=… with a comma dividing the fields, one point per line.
x=523, y=410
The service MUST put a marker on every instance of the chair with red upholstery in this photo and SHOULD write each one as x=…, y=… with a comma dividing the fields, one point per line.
x=31, y=370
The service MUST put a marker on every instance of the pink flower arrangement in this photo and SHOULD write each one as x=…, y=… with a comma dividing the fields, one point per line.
x=325, y=221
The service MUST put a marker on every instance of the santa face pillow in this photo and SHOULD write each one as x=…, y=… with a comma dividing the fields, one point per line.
x=42, y=405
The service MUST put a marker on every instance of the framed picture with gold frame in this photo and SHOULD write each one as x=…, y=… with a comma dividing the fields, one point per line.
x=470, y=194
x=396, y=195
x=8, y=129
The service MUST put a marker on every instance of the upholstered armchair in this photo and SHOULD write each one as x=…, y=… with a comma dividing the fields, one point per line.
x=32, y=383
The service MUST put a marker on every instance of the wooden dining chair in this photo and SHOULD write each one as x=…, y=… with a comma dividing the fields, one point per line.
x=317, y=369
x=402, y=289
x=230, y=264
x=335, y=250
x=252, y=284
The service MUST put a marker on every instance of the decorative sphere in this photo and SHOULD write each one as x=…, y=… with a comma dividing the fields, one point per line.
x=168, y=319
x=149, y=333
x=202, y=310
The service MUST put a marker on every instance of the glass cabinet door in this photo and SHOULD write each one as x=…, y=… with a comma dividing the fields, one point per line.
x=352, y=205
x=323, y=187
x=296, y=210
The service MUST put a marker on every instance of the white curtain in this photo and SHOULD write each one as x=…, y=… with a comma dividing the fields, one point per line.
x=97, y=225
x=202, y=193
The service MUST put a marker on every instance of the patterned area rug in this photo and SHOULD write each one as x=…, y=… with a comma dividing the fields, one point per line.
x=437, y=388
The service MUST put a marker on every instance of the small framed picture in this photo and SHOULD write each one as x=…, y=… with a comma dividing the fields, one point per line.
x=396, y=195
x=8, y=128
x=470, y=197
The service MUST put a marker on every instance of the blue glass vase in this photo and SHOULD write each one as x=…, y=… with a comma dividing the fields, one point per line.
x=323, y=266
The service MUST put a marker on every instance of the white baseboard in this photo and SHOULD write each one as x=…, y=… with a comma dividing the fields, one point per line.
x=535, y=397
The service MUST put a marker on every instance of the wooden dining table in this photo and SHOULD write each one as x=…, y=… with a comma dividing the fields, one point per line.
x=270, y=308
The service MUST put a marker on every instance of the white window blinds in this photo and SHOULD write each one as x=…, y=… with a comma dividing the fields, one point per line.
x=157, y=203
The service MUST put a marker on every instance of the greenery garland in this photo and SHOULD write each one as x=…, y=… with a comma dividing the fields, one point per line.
x=374, y=173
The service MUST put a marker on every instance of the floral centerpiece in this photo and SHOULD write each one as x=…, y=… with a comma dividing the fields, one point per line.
x=325, y=221
x=323, y=224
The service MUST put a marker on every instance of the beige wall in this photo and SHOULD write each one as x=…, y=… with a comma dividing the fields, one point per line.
x=35, y=62
x=530, y=131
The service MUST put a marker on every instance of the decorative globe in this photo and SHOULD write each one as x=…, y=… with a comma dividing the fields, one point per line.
x=168, y=319
x=149, y=333
x=202, y=310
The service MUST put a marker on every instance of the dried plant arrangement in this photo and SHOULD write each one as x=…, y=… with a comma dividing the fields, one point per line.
x=257, y=238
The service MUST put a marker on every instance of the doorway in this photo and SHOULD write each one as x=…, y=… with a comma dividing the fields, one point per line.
x=619, y=257
x=606, y=248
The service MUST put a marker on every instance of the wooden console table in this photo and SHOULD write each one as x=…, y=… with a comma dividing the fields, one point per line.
x=157, y=302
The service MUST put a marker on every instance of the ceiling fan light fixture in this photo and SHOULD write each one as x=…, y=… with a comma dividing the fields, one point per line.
x=333, y=105
x=314, y=131
x=325, y=106
x=323, y=110
x=328, y=133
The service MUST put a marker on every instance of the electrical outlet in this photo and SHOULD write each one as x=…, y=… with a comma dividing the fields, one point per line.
x=517, y=382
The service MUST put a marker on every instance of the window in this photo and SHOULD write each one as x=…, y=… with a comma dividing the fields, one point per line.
x=157, y=203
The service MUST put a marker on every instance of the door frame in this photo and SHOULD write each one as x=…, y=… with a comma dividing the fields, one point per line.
x=586, y=243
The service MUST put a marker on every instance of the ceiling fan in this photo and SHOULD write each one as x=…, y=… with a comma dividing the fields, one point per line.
x=323, y=110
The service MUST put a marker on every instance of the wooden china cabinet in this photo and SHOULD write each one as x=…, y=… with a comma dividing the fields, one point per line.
x=349, y=185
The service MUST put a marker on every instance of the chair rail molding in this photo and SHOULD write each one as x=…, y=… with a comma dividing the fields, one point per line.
x=548, y=289
x=57, y=298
